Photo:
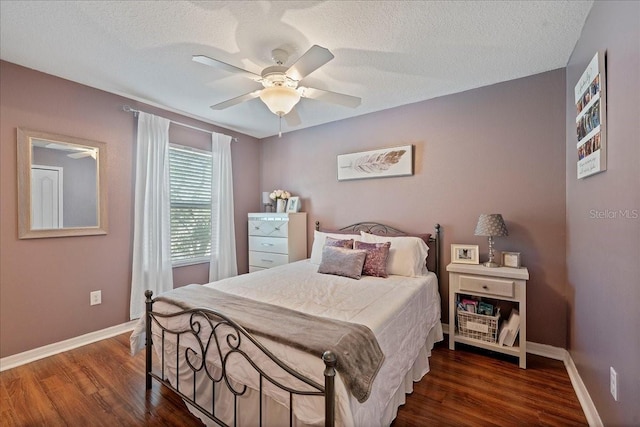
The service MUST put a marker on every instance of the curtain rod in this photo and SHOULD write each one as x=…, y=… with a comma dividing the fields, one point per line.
x=135, y=112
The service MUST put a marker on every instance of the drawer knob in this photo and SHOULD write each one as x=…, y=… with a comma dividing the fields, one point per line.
x=266, y=260
x=267, y=244
x=485, y=287
x=278, y=228
x=256, y=227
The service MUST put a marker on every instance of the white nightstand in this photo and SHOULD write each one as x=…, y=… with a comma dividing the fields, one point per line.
x=501, y=283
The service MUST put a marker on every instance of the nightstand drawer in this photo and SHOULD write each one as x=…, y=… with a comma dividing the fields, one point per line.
x=276, y=245
x=273, y=228
x=266, y=259
x=487, y=286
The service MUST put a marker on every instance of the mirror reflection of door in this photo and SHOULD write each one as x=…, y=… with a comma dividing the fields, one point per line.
x=80, y=179
x=46, y=197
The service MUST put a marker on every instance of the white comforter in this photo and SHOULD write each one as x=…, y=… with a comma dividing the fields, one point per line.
x=403, y=313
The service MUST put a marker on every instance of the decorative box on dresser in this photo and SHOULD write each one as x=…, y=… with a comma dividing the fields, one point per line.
x=276, y=239
x=500, y=283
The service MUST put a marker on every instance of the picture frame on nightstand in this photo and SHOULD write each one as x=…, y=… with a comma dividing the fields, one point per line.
x=465, y=254
x=511, y=259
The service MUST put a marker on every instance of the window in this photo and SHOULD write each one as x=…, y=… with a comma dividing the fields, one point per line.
x=190, y=181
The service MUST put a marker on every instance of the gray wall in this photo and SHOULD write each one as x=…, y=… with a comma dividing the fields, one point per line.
x=603, y=254
x=496, y=149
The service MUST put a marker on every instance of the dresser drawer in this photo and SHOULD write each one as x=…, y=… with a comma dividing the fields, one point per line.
x=273, y=228
x=501, y=287
x=266, y=259
x=276, y=245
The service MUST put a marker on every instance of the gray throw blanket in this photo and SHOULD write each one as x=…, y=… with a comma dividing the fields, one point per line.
x=359, y=355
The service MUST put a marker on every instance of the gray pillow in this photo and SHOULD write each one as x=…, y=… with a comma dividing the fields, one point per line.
x=342, y=262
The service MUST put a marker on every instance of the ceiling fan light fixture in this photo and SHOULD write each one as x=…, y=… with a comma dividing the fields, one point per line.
x=280, y=99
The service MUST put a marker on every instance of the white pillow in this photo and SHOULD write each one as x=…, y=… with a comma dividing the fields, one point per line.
x=318, y=243
x=407, y=254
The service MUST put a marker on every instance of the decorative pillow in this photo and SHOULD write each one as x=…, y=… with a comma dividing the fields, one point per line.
x=376, y=262
x=347, y=244
x=342, y=262
x=407, y=254
x=319, y=238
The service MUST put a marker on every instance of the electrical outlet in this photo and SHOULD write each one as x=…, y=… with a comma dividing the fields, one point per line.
x=613, y=383
x=96, y=297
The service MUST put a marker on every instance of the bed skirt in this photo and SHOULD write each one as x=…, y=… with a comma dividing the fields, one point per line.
x=275, y=413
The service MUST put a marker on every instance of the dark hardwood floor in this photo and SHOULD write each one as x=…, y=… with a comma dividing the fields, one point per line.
x=471, y=387
x=102, y=385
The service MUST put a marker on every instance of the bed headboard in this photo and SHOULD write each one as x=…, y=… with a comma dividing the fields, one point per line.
x=384, y=230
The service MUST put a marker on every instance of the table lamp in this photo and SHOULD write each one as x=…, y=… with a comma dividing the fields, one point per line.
x=491, y=225
x=267, y=202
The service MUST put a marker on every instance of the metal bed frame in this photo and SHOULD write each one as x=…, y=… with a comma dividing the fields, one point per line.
x=237, y=340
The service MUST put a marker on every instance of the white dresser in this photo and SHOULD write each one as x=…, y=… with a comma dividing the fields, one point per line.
x=276, y=239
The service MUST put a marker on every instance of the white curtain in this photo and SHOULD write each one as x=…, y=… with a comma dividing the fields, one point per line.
x=152, y=220
x=223, y=237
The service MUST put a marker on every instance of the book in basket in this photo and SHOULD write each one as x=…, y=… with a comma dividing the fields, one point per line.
x=510, y=329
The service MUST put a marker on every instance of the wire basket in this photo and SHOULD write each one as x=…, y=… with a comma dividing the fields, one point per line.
x=478, y=326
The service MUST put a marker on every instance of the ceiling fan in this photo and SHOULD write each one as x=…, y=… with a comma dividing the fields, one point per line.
x=78, y=152
x=281, y=90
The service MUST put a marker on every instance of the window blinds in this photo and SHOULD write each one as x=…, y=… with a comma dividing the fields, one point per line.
x=190, y=181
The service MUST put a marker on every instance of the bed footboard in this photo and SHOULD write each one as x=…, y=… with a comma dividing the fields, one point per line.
x=224, y=339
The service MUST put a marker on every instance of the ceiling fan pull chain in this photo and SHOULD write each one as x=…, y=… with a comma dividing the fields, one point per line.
x=280, y=128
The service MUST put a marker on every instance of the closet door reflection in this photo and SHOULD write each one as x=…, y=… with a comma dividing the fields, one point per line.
x=46, y=197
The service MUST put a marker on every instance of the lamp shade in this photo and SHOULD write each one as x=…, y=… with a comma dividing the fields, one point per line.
x=491, y=225
x=280, y=99
x=265, y=198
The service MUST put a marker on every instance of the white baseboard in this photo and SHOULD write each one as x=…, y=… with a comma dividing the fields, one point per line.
x=548, y=351
x=557, y=353
x=445, y=328
x=590, y=411
x=62, y=346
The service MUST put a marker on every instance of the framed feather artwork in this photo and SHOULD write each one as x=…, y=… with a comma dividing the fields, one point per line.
x=383, y=163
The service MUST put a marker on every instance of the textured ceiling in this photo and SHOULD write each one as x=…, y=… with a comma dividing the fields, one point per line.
x=389, y=53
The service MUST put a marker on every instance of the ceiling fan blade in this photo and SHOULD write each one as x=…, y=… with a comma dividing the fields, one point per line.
x=332, y=97
x=81, y=154
x=237, y=100
x=62, y=147
x=292, y=119
x=312, y=59
x=224, y=66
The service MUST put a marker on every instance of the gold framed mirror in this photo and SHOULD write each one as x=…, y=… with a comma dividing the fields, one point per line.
x=62, y=186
